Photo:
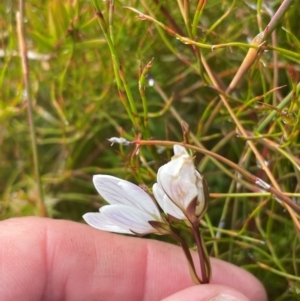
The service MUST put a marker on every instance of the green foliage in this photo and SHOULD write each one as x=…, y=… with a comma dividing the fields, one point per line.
x=89, y=83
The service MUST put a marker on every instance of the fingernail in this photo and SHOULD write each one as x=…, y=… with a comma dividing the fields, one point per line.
x=224, y=297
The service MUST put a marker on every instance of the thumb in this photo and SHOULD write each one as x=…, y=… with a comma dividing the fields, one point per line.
x=207, y=292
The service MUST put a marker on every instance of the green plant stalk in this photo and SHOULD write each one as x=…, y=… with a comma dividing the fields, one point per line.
x=274, y=146
x=186, y=17
x=294, y=258
x=110, y=20
x=282, y=104
x=287, y=53
x=196, y=51
x=23, y=53
x=120, y=78
x=245, y=239
x=252, y=215
x=233, y=220
x=184, y=13
x=258, y=14
x=186, y=40
x=159, y=29
x=142, y=88
x=163, y=110
x=240, y=127
x=205, y=121
x=249, y=195
x=57, y=107
x=216, y=148
x=269, y=245
x=197, y=17
x=212, y=234
x=220, y=20
x=246, y=104
x=270, y=221
x=251, y=245
x=262, y=79
x=223, y=219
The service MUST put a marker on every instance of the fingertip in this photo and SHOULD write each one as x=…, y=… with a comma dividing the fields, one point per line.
x=207, y=292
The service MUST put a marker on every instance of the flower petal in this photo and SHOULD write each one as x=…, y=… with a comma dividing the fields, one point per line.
x=118, y=191
x=166, y=204
x=139, y=198
x=172, y=209
x=179, y=150
x=98, y=221
x=129, y=218
x=178, y=180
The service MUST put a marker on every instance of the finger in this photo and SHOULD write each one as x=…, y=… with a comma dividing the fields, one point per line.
x=208, y=292
x=61, y=260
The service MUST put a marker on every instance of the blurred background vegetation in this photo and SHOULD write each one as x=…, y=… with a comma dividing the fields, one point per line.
x=87, y=84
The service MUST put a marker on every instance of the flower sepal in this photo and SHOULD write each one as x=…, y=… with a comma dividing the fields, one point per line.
x=160, y=227
x=198, y=206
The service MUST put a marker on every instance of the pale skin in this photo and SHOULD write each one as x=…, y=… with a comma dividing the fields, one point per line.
x=43, y=259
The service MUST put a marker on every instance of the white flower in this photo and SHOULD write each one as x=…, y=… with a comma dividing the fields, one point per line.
x=178, y=181
x=130, y=209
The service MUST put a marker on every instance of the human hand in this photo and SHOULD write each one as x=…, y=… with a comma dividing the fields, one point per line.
x=44, y=259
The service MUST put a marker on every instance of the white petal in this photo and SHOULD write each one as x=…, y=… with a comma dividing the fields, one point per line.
x=139, y=198
x=178, y=180
x=172, y=209
x=98, y=221
x=107, y=187
x=165, y=203
x=159, y=195
x=118, y=191
x=128, y=218
x=179, y=150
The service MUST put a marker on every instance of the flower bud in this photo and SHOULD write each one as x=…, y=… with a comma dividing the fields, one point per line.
x=183, y=184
